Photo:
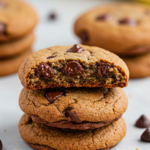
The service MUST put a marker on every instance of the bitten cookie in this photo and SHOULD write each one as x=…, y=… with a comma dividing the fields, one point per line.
x=124, y=33
x=139, y=66
x=77, y=66
x=42, y=137
x=12, y=64
x=74, y=108
x=16, y=19
x=8, y=49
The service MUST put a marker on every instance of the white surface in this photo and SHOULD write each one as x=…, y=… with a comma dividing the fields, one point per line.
x=60, y=32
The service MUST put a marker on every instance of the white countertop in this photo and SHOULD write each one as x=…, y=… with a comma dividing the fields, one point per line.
x=60, y=32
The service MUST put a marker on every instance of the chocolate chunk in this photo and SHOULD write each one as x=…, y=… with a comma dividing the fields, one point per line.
x=72, y=115
x=53, y=95
x=146, y=135
x=103, y=17
x=51, y=57
x=52, y=16
x=76, y=49
x=2, y=28
x=142, y=122
x=29, y=121
x=84, y=36
x=127, y=21
x=73, y=68
x=44, y=71
x=1, y=145
x=103, y=69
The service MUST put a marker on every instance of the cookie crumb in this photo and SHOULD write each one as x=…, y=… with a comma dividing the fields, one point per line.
x=5, y=130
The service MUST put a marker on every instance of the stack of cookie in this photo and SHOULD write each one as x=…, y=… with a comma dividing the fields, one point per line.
x=122, y=28
x=17, y=21
x=72, y=98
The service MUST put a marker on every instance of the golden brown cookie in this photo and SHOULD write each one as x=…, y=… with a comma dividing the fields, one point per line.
x=139, y=66
x=42, y=137
x=16, y=19
x=74, y=108
x=12, y=64
x=124, y=33
x=77, y=66
x=14, y=47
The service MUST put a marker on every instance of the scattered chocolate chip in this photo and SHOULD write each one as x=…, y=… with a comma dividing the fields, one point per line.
x=52, y=16
x=72, y=115
x=51, y=57
x=84, y=36
x=2, y=28
x=53, y=95
x=146, y=135
x=142, y=122
x=103, y=69
x=126, y=21
x=44, y=71
x=73, y=68
x=1, y=145
x=76, y=49
x=103, y=17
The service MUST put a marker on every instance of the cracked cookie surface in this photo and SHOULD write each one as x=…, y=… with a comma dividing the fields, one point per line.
x=53, y=138
x=105, y=27
x=74, y=108
x=77, y=66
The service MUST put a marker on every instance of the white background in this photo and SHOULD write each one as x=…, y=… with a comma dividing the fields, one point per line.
x=60, y=32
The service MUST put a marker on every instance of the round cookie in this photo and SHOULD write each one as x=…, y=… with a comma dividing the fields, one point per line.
x=12, y=64
x=139, y=66
x=68, y=108
x=124, y=33
x=16, y=19
x=42, y=137
x=8, y=49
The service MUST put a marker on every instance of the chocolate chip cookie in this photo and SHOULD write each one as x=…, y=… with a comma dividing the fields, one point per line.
x=12, y=64
x=42, y=137
x=124, y=33
x=73, y=66
x=14, y=47
x=74, y=108
x=16, y=19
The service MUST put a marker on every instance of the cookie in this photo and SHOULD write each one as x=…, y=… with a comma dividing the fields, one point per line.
x=68, y=108
x=42, y=137
x=139, y=66
x=16, y=19
x=14, y=47
x=77, y=66
x=124, y=33
x=12, y=64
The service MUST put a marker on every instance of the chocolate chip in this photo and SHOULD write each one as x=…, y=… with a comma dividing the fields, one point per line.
x=52, y=16
x=84, y=36
x=51, y=57
x=146, y=135
x=103, y=69
x=2, y=28
x=142, y=122
x=73, y=68
x=76, y=49
x=103, y=17
x=44, y=71
x=72, y=115
x=53, y=95
x=1, y=145
x=127, y=21
x=30, y=121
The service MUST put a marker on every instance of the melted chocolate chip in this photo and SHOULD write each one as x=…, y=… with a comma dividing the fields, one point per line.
x=51, y=57
x=73, y=68
x=146, y=135
x=76, y=49
x=44, y=71
x=127, y=21
x=84, y=36
x=2, y=28
x=103, y=17
x=142, y=122
x=53, y=95
x=1, y=145
x=103, y=69
x=72, y=115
